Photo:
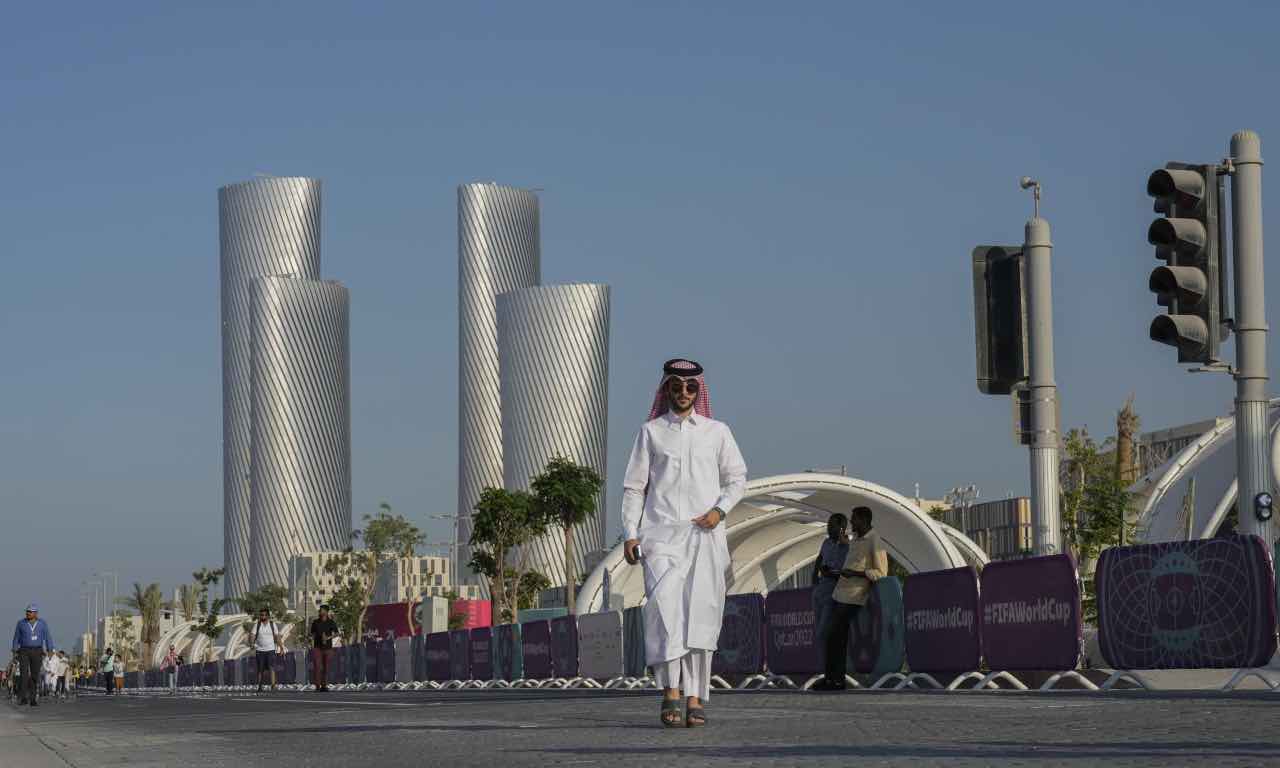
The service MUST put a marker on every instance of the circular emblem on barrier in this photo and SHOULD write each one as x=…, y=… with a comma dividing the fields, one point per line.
x=1174, y=598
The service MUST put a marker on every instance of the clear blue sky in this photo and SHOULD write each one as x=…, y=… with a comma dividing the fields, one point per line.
x=787, y=191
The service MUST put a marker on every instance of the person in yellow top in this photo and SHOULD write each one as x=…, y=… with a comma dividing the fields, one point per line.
x=866, y=562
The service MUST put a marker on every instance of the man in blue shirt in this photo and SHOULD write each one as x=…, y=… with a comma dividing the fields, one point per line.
x=31, y=638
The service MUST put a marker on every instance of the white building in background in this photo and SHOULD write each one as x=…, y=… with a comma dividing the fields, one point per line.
x=499, y=250
x=551, y=336
x=400, y=580
x=410, y=578
x=266, y=226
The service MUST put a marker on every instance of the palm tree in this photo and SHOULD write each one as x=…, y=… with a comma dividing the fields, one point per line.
x=148, y=602
x=188, y=601
x=567, y=494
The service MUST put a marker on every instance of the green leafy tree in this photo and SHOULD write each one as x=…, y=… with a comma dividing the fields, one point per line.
x=208, y=609
x=386, y=536
x=148, y=601
x=503, y=521
x=1095, y=503
x=566, y=494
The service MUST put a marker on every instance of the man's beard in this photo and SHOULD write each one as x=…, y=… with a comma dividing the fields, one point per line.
x=675, y=405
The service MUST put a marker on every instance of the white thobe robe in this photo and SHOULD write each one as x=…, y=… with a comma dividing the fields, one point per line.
x=679, y=469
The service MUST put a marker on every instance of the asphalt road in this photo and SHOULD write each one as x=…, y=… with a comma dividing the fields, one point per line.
x=531, y=728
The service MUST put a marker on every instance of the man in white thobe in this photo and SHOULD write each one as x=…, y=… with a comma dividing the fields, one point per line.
x=684, y=475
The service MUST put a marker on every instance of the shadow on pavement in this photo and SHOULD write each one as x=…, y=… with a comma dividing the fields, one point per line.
x=1088, y=751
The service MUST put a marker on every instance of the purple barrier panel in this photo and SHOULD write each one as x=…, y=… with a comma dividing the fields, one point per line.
x=634, y=655
x=508, y=659
x=941, y=617
x=338, y=667
x=1208, y=603
x=371, y=661
x=387, y=661
x=290, y=674
x=355, y=663
x=535, y=647
x=742, y=637
x=437, y=653
x=418, y=651
x=460, y=654
x=209, y=674
x=248, y=674
x=229, y=672
x=482, y=653
x=1031, y=614
x=790, y=640
x=564, y=646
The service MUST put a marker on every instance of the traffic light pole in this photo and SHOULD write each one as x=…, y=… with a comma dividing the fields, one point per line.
x=1252, y=461
x=1045, y=514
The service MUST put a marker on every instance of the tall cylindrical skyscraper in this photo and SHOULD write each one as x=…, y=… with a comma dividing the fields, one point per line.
x=553, y=352
x=268, y=226
x=499, y=250
x=300, y=408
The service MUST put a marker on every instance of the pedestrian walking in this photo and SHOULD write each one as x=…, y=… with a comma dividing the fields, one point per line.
x=31, y=639
x=15, y=678
x=685, y=474
x=117, y=670
x=866, y=562
x=67, y=678
x=323, y=630
x=266, y=644
x=170, y=666
x=826, y=571
x=60, y=668
x=106, y=665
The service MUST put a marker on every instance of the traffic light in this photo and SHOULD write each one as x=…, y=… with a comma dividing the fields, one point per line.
x=1187, y=239
x=1000, y=317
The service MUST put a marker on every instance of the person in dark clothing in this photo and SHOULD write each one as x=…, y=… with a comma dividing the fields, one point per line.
x=866, y=562
x=31, y=639
x=323, y=630
x=826, y=571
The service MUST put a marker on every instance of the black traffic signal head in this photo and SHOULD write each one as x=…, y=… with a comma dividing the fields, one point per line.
x=1187, y=240
x=1000, y=317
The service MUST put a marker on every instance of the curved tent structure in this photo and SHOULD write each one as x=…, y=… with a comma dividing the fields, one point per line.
x=1190, y=495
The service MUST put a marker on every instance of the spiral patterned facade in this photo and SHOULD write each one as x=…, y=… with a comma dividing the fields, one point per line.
x=268, y=226
x=553, y=351
x=499, y=250
x=300, y=460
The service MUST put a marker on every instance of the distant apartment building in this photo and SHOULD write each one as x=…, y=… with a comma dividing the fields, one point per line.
x=398, y=581
x=1001, y=528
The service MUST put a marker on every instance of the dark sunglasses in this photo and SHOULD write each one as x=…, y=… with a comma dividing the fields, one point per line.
x=688, y=385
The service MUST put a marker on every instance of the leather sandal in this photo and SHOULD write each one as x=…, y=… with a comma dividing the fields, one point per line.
x=670, y=713
x=695, y=717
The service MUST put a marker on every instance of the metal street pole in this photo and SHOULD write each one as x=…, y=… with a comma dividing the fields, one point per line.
x=1045, y=514
x=1253, y=466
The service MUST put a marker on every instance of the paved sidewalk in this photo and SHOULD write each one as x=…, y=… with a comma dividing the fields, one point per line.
x=616, y=729
x=18, y=746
